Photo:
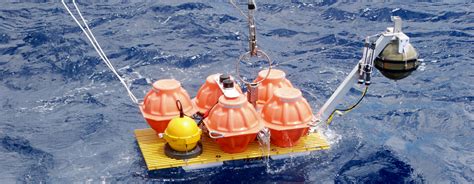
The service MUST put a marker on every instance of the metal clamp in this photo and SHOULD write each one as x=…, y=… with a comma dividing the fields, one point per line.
x=264, y=135
x=314, y=124
x=367, y=62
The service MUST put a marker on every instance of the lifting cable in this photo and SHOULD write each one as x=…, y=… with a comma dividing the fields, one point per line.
x=97, y=47
x=240, y=10
x=343, y=111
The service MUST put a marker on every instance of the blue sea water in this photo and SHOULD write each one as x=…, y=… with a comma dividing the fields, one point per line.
x=64, y=117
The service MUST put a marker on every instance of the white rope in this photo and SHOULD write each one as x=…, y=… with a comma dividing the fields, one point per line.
x=90, y=36
x=237, y=7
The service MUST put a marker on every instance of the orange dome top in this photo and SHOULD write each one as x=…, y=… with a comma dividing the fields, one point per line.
x=160, y=102
x=234, y=116
x=287, y=109
x=276, y=79
x=209, y=94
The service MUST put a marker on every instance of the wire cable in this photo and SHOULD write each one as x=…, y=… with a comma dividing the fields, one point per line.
x=237, y=7
x=343, y=111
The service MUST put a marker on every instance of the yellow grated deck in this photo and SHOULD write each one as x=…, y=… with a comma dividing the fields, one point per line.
x=152, y=149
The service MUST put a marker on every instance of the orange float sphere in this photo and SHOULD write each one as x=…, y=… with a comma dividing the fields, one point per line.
x=159, y=105
x=209, y=94
x=276, y=79
x=233, y=123
x=287, y=115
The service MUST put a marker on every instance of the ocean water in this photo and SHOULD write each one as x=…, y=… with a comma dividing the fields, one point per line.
x=64, y=117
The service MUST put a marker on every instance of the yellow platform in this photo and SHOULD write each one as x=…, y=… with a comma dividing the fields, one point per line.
x=152, y=149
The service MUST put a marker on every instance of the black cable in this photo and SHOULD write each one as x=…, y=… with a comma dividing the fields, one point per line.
x=180, y=108
x=206, y=114
x=348, y=109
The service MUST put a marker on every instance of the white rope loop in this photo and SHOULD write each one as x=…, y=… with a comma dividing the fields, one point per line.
x=90, y=36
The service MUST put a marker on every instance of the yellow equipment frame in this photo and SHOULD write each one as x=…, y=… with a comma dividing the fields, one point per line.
x=152, y=148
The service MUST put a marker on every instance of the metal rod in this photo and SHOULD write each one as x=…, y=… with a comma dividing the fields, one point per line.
x=252, y=28
x=340, y=92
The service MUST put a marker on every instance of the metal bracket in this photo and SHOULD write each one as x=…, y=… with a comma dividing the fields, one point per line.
x=362, y=71
x=228, y=92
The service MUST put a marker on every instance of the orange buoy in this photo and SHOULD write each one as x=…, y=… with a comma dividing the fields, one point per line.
x=159, y=105
x=287, y=115
x=209, y=93
x=276, y=79
x=233, y=123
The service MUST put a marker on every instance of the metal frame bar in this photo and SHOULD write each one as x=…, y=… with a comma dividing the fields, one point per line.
x=392, y=33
